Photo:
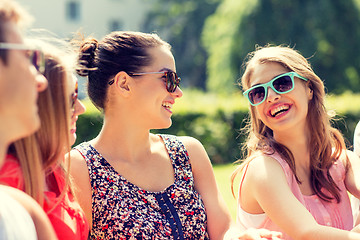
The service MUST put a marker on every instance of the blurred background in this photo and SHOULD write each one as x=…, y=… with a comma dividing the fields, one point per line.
x=210, y=39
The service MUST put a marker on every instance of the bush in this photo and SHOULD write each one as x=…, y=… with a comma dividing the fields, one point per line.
x=216, y=121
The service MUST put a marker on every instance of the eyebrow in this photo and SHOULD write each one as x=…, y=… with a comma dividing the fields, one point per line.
x=269, y=80
x=166, y=70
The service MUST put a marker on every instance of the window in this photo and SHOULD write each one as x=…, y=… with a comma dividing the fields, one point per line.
x=115, y=25
x=73, y=11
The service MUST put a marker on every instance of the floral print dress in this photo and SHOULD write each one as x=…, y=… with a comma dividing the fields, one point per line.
x=121, y=210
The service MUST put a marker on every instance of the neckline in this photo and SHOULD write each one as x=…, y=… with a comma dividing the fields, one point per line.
x=135, y=187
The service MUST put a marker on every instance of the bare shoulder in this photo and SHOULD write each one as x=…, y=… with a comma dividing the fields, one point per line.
x=195, y=149
x=264, y=169
x=349, y=158
x=190, y=142
x=75, y=155
x=42, y=223
x=81, y=182
x=77, y=161
x=78, y=169
x=192, y=145
x=20, y=196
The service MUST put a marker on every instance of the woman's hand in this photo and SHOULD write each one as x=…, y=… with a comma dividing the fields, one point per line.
x=252, y=234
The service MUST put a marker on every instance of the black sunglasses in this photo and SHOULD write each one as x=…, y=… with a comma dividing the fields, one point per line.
x=35, y=56
x=74, y=96
x=172, y=79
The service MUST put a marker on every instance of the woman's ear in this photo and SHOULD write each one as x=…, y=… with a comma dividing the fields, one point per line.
x=122, y=83
x=309, y=91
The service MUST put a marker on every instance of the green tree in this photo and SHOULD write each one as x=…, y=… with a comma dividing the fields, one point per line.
x=181, y=22
x=327, y=32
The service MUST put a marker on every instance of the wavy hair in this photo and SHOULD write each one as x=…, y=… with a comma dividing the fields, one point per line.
x=326, y=143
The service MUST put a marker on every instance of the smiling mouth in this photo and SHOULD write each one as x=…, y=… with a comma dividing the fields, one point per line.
x=278, y=110
x=167, y=105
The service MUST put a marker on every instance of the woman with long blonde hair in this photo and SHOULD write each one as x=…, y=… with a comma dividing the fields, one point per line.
x=36, y=164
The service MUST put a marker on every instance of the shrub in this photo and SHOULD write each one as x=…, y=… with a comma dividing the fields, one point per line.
x=216, y=121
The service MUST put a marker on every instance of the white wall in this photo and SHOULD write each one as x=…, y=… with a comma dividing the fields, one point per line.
x=94, y=18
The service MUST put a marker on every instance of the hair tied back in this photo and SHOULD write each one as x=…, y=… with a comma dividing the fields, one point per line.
x=86, y=60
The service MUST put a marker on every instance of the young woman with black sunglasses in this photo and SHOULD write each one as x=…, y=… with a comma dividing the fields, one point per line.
x=133, y=184
x=297, y=173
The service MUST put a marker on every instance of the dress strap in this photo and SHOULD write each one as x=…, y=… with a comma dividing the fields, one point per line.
x=243, y=177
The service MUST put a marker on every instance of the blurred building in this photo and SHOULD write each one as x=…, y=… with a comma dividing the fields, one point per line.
x=92, y=17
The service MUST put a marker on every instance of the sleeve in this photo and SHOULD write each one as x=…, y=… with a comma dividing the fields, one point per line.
x=11, y=174
x=357, y=139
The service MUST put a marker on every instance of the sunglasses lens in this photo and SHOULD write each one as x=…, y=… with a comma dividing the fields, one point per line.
x=172, y=81
x=74, y=96
x=38, y=60
x=283, y=84
x=256, y=95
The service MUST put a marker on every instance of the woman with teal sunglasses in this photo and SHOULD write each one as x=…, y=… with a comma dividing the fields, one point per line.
x=297, y=171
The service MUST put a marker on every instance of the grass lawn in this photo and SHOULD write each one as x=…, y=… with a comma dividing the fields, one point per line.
x=222, y=175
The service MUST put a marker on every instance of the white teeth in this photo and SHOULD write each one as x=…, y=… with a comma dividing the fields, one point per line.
x=278, y=109
x=167, y=105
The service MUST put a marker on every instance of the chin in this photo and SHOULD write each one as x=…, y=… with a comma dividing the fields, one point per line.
x=25, y=129
x=163, y=126
x=72, y=139
x=32, y=125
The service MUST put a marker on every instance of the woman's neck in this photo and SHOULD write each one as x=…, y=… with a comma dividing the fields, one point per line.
x=299, y=145
x=122, y=140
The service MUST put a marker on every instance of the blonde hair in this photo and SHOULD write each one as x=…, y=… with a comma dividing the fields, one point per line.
x=43, y=151
x=323, y=137
x=11, y=11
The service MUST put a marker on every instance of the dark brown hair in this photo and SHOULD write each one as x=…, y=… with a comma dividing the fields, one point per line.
x=118, y=51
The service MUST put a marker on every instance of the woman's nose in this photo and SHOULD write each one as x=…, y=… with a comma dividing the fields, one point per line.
x=272, y=95
x=178, y=92
x=79, y=108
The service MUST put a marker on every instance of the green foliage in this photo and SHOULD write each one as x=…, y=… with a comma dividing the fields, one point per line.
x=89, y=124
x=181, y=22
x=216, y=121
x=328, y=32
x=220, y=39
x=222, y=175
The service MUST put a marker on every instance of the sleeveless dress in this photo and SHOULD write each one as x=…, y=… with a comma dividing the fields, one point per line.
x=121, y=210
x=332, y=214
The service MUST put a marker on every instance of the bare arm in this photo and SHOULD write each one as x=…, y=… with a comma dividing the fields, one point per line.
x=44, y=229
x=266, y=185
x=81, y=180
x=352, y=179
x=357, y=140
x=217, y=213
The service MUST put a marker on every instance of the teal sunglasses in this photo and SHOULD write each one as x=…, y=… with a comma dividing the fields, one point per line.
x=281, y=84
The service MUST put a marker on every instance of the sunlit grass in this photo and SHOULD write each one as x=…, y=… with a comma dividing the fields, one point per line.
x=222, y=175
